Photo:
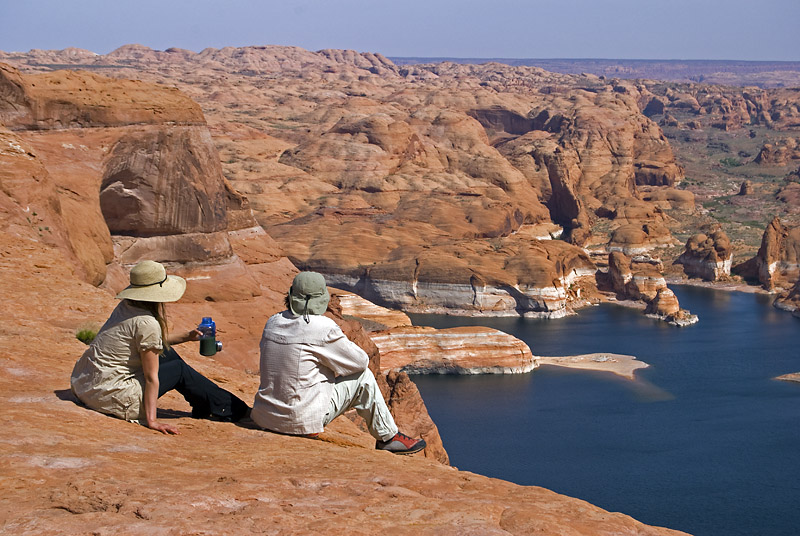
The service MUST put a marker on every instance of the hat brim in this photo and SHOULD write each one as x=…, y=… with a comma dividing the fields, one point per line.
x=169, y=291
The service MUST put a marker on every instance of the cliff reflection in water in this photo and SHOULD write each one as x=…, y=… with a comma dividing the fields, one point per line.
x=705, y=440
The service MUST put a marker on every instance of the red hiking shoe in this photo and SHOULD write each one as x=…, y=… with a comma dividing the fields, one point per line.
x=401, y=444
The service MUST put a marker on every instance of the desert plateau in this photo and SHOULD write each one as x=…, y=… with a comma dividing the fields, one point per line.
x=484, y=190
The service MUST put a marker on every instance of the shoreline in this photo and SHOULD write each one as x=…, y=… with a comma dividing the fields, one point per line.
x=727, y=286
x=619, y=364
x=793, y=377
x=574, y=308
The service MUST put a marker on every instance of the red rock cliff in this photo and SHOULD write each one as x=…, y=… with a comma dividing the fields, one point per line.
x=362, y=169
x=156, y=191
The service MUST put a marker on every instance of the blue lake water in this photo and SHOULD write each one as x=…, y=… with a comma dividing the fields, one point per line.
x=704, y=441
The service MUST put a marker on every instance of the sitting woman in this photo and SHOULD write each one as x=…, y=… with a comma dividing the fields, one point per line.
x=130, y=363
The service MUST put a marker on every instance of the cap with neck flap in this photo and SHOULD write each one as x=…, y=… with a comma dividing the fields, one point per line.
x=308, y=294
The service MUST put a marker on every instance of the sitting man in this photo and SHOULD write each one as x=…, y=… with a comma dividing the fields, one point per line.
x=311, y=373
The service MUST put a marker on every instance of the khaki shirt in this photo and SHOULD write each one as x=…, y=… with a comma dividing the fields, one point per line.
x=299, y=362
x=109, y=376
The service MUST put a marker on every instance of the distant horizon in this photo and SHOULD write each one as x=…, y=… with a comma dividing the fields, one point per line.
x=614, y=29
x=590, y=59
x=418, y=57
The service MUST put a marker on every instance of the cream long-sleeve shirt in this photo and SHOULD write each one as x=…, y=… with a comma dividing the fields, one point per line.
x=299, y=362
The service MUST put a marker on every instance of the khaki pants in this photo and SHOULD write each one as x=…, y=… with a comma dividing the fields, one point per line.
x=360, y=392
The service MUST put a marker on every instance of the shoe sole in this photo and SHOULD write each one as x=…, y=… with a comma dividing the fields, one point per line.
x=406, y=452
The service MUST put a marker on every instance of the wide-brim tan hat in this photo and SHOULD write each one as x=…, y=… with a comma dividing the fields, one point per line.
x=150, y=283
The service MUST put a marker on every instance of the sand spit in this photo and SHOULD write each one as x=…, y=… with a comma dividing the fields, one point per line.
x=621, y=365
x=793, y=377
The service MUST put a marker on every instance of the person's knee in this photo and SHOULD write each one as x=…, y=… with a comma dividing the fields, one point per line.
x=368, y=377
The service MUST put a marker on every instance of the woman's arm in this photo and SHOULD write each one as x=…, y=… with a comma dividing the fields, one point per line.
x=150, y=366
x=193, y=335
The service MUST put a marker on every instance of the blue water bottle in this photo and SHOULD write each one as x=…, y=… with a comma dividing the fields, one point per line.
x=208, y=340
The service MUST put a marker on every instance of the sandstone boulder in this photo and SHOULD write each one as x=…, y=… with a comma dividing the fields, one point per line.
x=746, y=188
x=637, y=238
x=780, y=153
x=789, y=193
x=669, y=198
x=641, y=281
x=634, y=281
x=164, y=181
x=664, y=304
x=777, y=264
x=145, y=183
x=708, y=257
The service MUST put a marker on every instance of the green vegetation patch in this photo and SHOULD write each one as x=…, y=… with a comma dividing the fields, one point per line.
x=86, y=334
x=730, y=161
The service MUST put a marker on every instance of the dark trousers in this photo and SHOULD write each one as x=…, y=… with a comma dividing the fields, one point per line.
x=206, y=397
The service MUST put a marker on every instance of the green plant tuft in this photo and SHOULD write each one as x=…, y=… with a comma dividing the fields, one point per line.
x=86, y=335
x=731, y=162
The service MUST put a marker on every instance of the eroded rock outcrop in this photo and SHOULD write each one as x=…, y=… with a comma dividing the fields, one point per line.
x=746, y=188
x=77, y=471
x=725, y=107
x=464, y=350
x=54, y=446
x=350, y=149
x=641, y=281
x=67, y=99
x=777, y=264
x=790, y=191
x=707, y=256
x=156, y=191
x=790, y=301
x=780, y=153
x=376, y=317
x=537, y=278
x=30, y=200
x=636, y=281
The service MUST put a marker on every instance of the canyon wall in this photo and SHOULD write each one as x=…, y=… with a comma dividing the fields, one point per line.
x=75, y=470
x=69, y=470
x=149, y=185
x=428, y=187
x=464, y=350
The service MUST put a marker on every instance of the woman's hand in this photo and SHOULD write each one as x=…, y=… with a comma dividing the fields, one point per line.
x=163, y=428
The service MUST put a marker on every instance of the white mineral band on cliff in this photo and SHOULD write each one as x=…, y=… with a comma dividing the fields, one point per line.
x=463, y=350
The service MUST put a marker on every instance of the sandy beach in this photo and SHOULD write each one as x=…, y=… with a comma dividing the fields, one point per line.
x=622, y=365
x=793, y=377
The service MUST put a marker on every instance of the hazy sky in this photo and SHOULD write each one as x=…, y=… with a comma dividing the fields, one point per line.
x=646, y=29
